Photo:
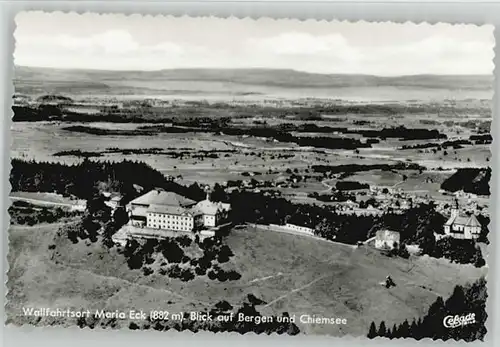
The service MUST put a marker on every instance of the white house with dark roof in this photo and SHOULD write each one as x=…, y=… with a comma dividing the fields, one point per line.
x=158, y=208
x=461, y=226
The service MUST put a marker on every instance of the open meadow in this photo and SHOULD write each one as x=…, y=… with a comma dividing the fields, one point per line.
x=308, y=276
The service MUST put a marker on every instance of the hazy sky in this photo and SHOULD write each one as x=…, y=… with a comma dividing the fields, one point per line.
x=138, y=42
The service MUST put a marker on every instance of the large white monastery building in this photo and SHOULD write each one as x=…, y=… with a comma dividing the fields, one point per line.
x=159, y=209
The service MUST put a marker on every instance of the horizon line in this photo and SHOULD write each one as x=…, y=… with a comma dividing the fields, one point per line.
x=249, y=68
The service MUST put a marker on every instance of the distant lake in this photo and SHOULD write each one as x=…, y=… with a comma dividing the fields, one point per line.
x=217, y=91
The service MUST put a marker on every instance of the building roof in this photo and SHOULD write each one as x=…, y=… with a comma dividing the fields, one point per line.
x=385, y=234
x=167, y=209
x=116, y=198
x=225, y=206
x=207, y=207
x=211, y=207
x=161, y=197
x=140, y=211
x=468, y=221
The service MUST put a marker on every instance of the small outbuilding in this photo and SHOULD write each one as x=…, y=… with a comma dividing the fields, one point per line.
x=387, y=239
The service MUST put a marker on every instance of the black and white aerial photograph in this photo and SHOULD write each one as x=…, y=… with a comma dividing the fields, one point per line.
x=273, y=177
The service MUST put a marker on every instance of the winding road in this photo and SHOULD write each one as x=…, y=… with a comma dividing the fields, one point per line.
x=41, y=202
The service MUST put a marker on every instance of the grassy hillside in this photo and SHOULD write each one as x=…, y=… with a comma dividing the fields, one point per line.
x=291, y=273
x=36, y=279
x=29, y=79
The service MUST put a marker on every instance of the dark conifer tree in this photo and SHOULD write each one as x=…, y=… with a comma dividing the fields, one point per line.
x=389, y=333
x=394, y=331
x=413, y=329
x=382, y=331
x=372, y=333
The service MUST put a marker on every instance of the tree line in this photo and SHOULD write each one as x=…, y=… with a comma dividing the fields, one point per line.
x=352, y=168
x=269, y=133
x=82, y=180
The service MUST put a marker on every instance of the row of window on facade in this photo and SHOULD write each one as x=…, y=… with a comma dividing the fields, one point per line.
x=168, y=216
x=154, y=220
x=162, y=226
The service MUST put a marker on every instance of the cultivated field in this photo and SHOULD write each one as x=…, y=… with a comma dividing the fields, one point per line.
x=235, y=154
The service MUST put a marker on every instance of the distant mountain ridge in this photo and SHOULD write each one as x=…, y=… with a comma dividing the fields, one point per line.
x=282, y=78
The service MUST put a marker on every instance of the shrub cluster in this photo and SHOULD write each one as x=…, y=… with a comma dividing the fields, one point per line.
x=181, y=266
x=21, y=212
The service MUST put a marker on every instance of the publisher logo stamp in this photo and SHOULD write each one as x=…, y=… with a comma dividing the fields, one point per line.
x=459, y=321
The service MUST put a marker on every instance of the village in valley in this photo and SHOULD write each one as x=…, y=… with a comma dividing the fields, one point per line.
x=262, y=193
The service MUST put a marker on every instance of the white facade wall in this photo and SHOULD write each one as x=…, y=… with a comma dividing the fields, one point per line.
x=79, y=207
x=299, y=228
x=157, y=220
x=207, y=233
x=475, y=231
x=384, y=244
x=462, y=232
x=209, y=220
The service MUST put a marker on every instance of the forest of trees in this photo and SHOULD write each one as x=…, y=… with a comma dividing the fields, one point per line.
x=34, y=114
x=459, y=251
x=470, y=180
x=352, y=168
x=351, y=185
x=203, y=120
x=469, y=299
x=269, y=133
x=282, y=133
x=481, y=139
x=441, y=145
x=81, y=180
x=144, y=112
x=337, y=195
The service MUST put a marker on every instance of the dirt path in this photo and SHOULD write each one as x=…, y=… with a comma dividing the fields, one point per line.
x=293, y=291
x=296, y=290
x=328, y=187
x=279, y=274
x=39, y=201
x=131, y=283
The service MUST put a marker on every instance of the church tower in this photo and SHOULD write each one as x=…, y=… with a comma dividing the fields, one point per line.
x=455, y=209
x=207, y=191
